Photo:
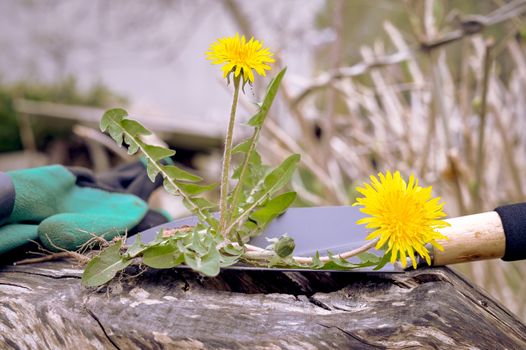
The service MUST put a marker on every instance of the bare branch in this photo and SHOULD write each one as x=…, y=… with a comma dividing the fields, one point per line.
x=468, y=25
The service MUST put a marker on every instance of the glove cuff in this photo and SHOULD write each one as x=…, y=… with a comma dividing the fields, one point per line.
x=7, y=197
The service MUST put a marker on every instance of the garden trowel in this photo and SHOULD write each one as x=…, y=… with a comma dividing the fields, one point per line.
x=490, y=235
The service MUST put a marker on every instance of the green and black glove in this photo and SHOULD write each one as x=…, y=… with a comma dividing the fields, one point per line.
x=63, y=208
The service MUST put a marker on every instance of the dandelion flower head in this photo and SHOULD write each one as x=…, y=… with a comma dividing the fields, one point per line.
x=404, y=216
x=239, y=56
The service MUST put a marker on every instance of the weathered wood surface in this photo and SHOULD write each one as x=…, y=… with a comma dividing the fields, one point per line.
x=44, y=307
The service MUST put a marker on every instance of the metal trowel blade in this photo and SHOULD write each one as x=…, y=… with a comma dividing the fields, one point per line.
x=314, y=229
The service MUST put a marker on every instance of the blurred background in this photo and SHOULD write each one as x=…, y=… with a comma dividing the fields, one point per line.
x=434, y=88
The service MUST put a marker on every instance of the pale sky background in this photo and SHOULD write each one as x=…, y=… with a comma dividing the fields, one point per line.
x=151, y=51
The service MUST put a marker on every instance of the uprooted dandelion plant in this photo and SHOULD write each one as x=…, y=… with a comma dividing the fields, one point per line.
x=397, y=209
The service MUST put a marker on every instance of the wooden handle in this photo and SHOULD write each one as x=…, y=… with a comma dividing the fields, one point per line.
x=471, y=238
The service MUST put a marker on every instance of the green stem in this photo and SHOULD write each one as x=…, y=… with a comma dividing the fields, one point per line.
x=257, y=253
x=246, y=213
x=223, y=209
x=242, y=174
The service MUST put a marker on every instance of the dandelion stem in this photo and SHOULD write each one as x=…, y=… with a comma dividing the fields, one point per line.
x=223, y=209
x=237, y=189
x=257, y=253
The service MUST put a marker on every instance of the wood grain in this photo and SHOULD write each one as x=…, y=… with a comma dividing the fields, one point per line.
x=472, y=237
x=43, y=306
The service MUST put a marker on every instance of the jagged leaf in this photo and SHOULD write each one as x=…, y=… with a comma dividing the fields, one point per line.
x=211, y=263
x=233, y=250
x=204, y=203
x=273, y=208
x=202, y=213
x=133, y=146
x=134, y=128
x=194, y=189
x=255, y=169
x=136, y=248
x=110, y=122
x=208, y=264
x=157, y=152
x=277, y=261
x=112, y=117
x=227, y=260
x=243, y=147
x=152, y=170
x=316, y=262
x=261, y=192
x=230, y=255
x=171, y=188
x=199, y=246
x=272, y=89
x=177, y=173
x=281, y=175
x=385, y=259
x=369, y=258
x=105, y=266
x=163, y=256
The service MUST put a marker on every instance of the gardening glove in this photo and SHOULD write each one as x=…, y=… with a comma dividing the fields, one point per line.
x=127, y=178
x=63, y=208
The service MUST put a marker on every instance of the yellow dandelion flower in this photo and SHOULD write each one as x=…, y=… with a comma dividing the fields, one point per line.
x=403, y=215
x=240, y=57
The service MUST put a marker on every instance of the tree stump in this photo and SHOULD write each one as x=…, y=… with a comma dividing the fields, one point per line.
x=44, y=306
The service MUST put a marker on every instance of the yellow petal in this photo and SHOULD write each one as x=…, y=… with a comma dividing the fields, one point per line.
x=405, y=217
x=245, y=56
